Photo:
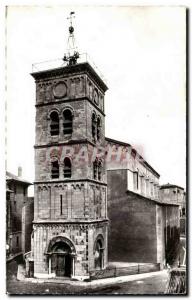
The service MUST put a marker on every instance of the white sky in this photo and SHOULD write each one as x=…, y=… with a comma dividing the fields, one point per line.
x=141, y=53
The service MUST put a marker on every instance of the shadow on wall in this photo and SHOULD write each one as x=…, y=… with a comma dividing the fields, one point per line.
x=172, y=244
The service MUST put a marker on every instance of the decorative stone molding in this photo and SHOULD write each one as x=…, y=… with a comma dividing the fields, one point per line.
x=68, y=226
x=63, y=239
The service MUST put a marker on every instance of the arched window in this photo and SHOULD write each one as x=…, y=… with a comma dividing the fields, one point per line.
x=67, y=168
x=55, y=169
x=67, y=122
x=99, y=253
x=95, y=169
x=99, y=170
x=54, y=126
x=93, y=126
x=98, y=128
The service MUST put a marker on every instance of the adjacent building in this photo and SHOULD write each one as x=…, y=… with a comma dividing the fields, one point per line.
x=174, y=194
x=27, y=224
x=143, y=228
x=16, y=198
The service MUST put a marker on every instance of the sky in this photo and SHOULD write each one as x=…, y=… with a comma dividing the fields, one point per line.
x=141, y=53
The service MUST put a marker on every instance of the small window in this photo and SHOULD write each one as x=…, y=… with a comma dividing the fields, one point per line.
x=17, y=241
x=98, y=128
x=61, y=204
x=93, y=126
x=67, y=168
x=95, y=170
x=136, y=180
x=67, y=122
x=55, y=170
x=99, y=170
x=152, y=189
x=54, y=123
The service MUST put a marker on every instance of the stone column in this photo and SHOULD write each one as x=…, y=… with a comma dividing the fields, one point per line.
x=49, y=264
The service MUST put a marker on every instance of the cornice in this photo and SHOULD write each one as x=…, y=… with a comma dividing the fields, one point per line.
x=69, y=101
x=83, y=225
x=71, y=142
x=71, y=181
x=75, y=69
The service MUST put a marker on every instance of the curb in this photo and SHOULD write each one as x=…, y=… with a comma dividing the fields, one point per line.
x=99, y=282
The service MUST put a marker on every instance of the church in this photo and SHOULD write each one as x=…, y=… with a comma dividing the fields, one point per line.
x=89, y=208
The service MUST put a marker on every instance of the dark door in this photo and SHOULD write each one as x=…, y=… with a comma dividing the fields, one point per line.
x=60, y=266
x=68, y=265
x=31, y=268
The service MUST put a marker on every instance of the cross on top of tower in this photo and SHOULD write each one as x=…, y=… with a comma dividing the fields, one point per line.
x=72, y=53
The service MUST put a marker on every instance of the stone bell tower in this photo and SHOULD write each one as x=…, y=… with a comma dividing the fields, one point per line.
x=70, y=220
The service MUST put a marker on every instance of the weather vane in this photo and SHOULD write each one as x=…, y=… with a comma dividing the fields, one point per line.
x=72, y=55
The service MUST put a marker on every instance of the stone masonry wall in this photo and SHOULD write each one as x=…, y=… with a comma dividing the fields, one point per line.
x=62, y=206
x=82, y=157
x=79, y=201
x=44, y=234
x=78, y=109
x=83, y=238
x=93, y=233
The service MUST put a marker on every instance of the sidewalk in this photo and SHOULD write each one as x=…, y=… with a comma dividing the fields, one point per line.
x=99, y=282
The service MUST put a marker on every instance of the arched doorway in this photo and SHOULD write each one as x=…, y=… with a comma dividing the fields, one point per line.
x=61, y=260
x=61, y=254
x=99, y=253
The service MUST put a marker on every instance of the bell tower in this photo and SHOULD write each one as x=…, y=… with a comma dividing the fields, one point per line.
x=70, y=219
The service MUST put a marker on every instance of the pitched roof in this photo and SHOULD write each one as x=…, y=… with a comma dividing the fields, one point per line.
x=10, y=176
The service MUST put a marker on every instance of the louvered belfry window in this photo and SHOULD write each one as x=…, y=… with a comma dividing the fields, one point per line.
x=54, y=123
x=93, y=126
x=67, y=122
x=55, y=169
x=67, y=168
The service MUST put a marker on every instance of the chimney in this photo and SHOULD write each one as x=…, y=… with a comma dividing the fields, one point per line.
x=19, y=172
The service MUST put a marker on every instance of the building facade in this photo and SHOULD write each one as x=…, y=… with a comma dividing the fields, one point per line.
x=16, y=198
x=174, y=194
x=27, y=224
x=70, y=228
x=143, y=228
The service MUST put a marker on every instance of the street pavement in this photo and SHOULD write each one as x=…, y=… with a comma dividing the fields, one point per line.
x=155, y=284
x=152, y=285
